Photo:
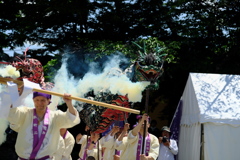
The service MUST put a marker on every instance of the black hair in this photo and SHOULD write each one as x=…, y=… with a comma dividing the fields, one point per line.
x=90, y=158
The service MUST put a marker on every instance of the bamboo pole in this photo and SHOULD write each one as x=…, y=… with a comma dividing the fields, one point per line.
x=4, y=81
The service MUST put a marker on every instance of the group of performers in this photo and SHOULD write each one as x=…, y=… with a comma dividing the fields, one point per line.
x=43, y=135
x=121, y=144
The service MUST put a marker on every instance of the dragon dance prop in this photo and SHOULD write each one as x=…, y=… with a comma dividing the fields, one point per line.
x=5, y=80
x=149, y=67
x=97, y=113
x=102, y=109
x=99, y=118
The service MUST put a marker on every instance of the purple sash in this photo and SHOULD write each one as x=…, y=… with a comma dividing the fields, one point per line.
x=117, y=152
x=36, y=141
x=64, y=136
x=140, y=145
x=43, y=158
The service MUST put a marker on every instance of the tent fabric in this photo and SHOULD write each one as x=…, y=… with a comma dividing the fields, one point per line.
x=221, y=142
x=189, y=146
x=190, y=111
x=211, y=98
x=211, y=101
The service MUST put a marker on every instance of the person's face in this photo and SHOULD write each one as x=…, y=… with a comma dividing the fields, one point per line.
x=165, y=133
x=148, y=125
x=41, y=103
x=120, y=131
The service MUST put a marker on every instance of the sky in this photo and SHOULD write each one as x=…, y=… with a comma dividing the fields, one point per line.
x=20, y=50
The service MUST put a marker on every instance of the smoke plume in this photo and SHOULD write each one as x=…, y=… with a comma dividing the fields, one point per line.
x=110, y=78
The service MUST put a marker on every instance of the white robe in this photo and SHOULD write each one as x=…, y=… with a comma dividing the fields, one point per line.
x=66, y=147
x=69, y=142
x=58, y=155
x=107, y=142
x=129, y=144
x=83, y=141
x=22, y=119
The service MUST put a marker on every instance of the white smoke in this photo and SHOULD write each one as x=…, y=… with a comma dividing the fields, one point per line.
x=3, y=121
x=111, y=78
x=9, y=71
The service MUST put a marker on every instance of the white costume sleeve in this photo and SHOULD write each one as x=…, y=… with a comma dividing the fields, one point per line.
x=121, y=145
x=154, y=149
x=83, y=139
x=132, y=138
x=173, y=147
x=108, y=137
x=108, y=142
x=16, y=116
x=66, y=119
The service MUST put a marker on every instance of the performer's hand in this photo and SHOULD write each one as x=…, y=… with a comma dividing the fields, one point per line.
x=126, y=127
x=78, y=137
x=144, y=117
x=116, y=157
x=68, y=102
x=160, y=139
x=167, y=144
x=143, y=157
x=66, y=98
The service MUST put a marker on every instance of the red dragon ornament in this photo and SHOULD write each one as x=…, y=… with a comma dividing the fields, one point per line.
x=30, y=69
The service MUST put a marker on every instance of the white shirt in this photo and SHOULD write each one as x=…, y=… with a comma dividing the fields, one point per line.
x=166, y=153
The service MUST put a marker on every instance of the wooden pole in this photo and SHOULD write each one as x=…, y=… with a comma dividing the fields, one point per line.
x=4, y=81
x=145, y=122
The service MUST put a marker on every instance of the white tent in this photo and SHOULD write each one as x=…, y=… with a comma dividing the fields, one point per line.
x=210, y=120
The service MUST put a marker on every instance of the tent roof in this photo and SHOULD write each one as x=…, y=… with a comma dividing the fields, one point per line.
x=211, y=98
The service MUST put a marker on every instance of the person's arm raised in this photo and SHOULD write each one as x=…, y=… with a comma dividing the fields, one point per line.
x=139, y=125
x=68, y=102
x=124, y=132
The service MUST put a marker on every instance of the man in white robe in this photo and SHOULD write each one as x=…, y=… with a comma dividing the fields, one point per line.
x=119, y=140
x=38, y=127
x=94, y=149
x=132, y=146
x=107, y=144
x=85, y=142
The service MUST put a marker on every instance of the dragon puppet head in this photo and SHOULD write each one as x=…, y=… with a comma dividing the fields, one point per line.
x=99, y=118
x=29, y=68
x=149, y=66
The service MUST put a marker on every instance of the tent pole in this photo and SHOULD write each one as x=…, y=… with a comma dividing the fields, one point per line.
x=202, y=143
